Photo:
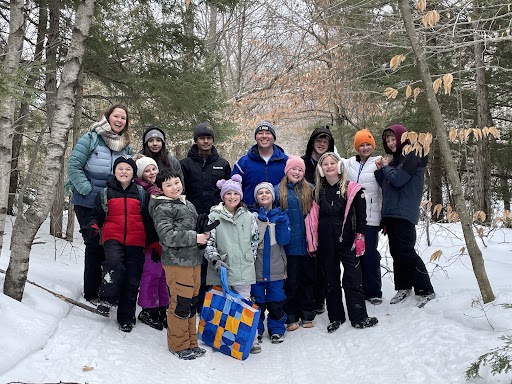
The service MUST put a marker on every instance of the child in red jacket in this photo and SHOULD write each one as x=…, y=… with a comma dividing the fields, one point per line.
x=120, y=210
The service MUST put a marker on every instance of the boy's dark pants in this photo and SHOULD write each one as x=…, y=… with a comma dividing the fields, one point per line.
x=410, y=271
x=94, y=255
x=122, y=271
x=370, y=264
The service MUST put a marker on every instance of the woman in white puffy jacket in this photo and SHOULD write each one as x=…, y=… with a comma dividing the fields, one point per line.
x=361, y=168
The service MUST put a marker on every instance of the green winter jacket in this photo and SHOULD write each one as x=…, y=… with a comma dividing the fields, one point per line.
x=175, y=224
x=235, y=241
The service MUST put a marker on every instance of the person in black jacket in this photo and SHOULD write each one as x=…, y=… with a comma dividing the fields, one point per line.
x=402, y=182
x=202, y=168
x=320, y=142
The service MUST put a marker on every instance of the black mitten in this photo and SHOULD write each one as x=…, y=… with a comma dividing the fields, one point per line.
x=155, y=257
x=201, y=222
x=211, y=226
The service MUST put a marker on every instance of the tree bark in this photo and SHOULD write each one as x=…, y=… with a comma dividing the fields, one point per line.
x=482, y=157
x=451, y=172
x=436, y=179
x=8, y=103
x=56, y=212
x=27, y=224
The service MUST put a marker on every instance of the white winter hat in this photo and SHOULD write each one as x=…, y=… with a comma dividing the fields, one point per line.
x=142, y=163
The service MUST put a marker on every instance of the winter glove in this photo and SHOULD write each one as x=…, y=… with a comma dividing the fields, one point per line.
x=262, y=214
x=281, y=218
x=155, y=257
x=92, y=230
x=358, y=245
x=217, y=264
x=201, y=223
x=211, y=226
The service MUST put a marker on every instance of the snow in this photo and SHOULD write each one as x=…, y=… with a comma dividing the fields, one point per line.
x=43, y=339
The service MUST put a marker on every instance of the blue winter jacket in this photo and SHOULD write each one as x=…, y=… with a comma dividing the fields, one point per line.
x=255, y=170
x=402, y=186
x=89, y=166
x=297, y=244
x=271, y=257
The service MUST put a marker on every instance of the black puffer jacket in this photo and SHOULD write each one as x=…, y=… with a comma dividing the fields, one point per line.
x=201, y=177
x=310, y=162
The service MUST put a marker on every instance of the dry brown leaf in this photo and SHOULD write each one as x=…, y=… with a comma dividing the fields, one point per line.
x=461, y=251
x=485, y=131
x=447, y=81
x=187, y=4
x=495, y=132
x=426, y=149
x=413, y=136
x=437, y=210
x=507, y=214
x=436, y=255
x=480, y=231
x=416, y=92
x=431, y=18
x=395, y=61
x=421, y=5
x=452, y=135
x=404, y=136
x=390, y=93
x=437, y=84
x=467, y=132
x=408, y=92
x=418, y=149
x=424, y=203
x=86, y=368
x=406, y=149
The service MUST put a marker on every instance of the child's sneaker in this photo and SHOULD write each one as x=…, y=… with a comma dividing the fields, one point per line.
x=104, y=308
x=292, y=326
x=126, y=327
x=276, y=338
x=184, y=354
x=256, y=348
x=150, y=317
x=424, y=299
x=400, y=296
x=198, y=351
x=366, y=322
x=260, y=338
x=307, y=324
x=333, y=326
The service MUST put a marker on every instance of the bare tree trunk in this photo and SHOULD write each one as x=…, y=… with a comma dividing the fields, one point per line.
x=451, y=172
x=8, y=103
x=56, y=213
x=77, y=116
x=482, y=156
x=27, y=224
x=21, y=121
x=436, y=178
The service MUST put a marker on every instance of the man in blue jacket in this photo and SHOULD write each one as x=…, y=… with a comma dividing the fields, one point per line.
x=264, y=161
x=402, y=182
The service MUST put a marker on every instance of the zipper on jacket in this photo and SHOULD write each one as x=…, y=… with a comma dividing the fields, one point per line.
x=125, y=218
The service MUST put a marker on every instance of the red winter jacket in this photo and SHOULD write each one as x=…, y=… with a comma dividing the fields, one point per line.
x=125, y=222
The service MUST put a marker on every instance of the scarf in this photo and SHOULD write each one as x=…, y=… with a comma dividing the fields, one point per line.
x=112, y=140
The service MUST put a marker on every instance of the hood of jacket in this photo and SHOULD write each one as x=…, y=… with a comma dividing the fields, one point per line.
x=398, y=130
x=317, y=132
x=194, y=154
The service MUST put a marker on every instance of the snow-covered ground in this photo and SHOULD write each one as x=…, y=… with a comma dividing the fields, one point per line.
x=44, y=339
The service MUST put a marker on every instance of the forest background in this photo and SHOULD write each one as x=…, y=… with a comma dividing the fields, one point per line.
x=440, y=68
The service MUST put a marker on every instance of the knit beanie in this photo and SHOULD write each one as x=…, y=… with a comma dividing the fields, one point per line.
x=294, y=161
x=204, y=129
x=142, y=163
x=363, y=136
x=151, y=132
x=265, y=126
x=267, y=185
x=233, y=184
x=125, y=159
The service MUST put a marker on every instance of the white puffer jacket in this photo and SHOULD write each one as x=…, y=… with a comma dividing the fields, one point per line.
x=363, y=174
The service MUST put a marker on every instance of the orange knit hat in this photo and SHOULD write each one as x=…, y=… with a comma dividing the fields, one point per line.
x=363, y=136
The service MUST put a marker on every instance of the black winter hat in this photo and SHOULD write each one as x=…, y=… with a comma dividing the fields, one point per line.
x=128, y=160
x=204, y=129
x=265, y=126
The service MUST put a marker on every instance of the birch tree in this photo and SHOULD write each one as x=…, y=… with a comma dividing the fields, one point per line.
x=27, y=223
x=10, y=75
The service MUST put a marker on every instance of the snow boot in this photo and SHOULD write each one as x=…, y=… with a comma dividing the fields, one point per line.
x=400, y=296
x=256, y=348
x=103, y=308
x=184, y=354
x=151, y=317
x=367, y=322
x=424, y=299
x=162, y=315
x=276, y=338
x=198, y=351
x=333, y=326
x=126, y=327
x=375, y=300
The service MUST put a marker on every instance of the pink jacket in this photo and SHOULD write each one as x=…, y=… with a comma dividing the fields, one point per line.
x=311, y=219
